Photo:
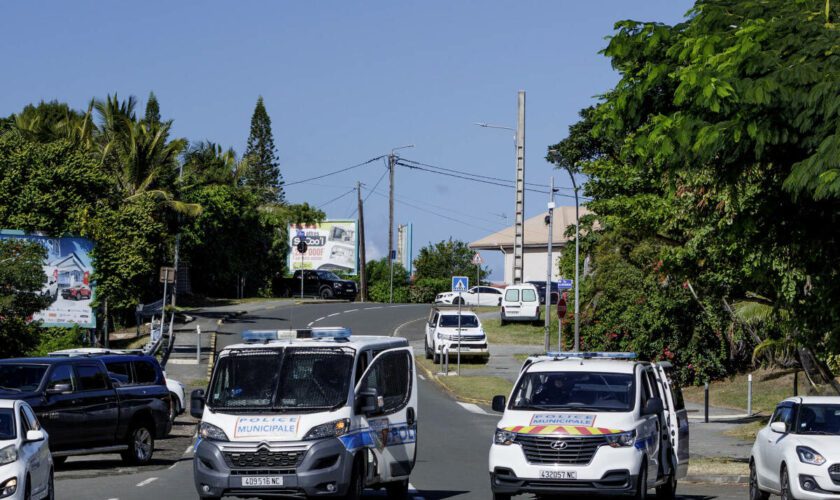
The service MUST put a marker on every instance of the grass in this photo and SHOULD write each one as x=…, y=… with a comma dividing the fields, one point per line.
x=520, y=333
x=769, y=387
x=746, y=432
x=466, y=364
x=467, y=387
x=717, y=467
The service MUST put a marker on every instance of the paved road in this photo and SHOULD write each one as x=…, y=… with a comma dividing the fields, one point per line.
x=454, y=439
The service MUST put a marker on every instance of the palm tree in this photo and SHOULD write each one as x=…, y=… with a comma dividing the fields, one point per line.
x=52, y=121
x=206, y=162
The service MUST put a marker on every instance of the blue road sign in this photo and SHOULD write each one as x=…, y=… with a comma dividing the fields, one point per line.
x=460, y=284
x=565, y=284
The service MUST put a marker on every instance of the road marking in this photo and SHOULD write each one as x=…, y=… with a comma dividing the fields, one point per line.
x=473, y=408
x=333, y=314
x=310, y=324
x=372, y=308
x=317, y=320
x=350, y=310
x=147, y=481
x=421, y=377
x=397, y=329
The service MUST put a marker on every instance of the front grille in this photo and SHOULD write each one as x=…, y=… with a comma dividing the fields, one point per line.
x=835, y=469
x=264, y=459
x=469, y=338
x=577, y=451
x=834, y=473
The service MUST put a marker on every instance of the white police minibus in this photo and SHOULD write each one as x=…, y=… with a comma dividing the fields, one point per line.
x=307, y=413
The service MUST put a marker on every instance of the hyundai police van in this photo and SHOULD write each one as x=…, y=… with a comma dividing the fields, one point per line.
x=307, y=413
x=590, y=423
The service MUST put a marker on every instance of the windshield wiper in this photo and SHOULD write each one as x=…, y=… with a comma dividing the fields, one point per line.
x=9, y=388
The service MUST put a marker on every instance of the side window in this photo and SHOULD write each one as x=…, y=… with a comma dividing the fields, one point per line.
x=391, y=377
x=120, y=371
x=645, y=390
x=435, y=319
x=31, y=421
x=512, y=295
x=61, y=375
x=24, y=424
x=91, y=378
x=361, y=366
x=676, y=392
x=144, y=373
x=783, y=414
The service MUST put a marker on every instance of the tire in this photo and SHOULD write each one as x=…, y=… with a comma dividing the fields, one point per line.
x=51, y=486
x=500, y=301
x=787, y=494
x=357, y=481
x=641, y=488
x=755, y=491
x=326, y=293
x=141, y=445
x=174, y=408
x=27, y=490
x=668, y=491
x=429, y=354
x=59, y=461
x=501, y=496
x=397, y=490
x=457, y=300
x=436, y=358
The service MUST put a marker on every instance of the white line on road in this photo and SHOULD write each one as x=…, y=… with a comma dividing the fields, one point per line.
x=333, y=314
x=350, y=310
x=397, y=329
x=147, y=481
x=421, y=377
x=372, y=308
x=473, y=408
x=319, y=319
x=310, y=324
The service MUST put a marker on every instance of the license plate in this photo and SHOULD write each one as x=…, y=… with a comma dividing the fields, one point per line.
x=258, y=481
x=558, y=474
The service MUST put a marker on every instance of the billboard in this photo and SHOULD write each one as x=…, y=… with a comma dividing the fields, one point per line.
x=67, y=280
x=332, y=245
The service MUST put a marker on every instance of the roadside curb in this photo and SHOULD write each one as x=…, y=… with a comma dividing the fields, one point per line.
x=717, y=479
x=435, y=379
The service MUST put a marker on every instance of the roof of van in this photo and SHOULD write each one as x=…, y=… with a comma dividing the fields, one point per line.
x=354, y=341
x=815, y=400
x=546, y=364
x=521, y=285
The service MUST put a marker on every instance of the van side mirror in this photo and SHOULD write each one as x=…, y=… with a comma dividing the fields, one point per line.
x=654, y=406
x=59, y=389
x=370, y=403
x=197, y=403
x=35, y=435
x=778, y=427
x=499, y=403
x=115, y=382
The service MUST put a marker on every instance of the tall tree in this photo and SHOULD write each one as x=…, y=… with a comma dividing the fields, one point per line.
x=445, y=259
x=21, y=280
x=263, y=174
x=152, y=110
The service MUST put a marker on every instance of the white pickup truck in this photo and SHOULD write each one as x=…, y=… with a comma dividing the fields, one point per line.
x=444, y=331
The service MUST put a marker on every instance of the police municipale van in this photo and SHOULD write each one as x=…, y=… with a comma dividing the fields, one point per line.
x=313, y=413
x=590, y=423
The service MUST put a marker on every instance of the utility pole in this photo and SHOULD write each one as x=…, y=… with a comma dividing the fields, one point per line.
x=550, y=221
x=392, y=160
x=577, y=263
x=362, y=261
x=519, y=225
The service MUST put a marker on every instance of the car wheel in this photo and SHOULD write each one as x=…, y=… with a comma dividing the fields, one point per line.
x=787, y=494
x=428, y=351
x=174, y=408
x=641, y=488
x=357, y=481
x=141, y=445
x=500, y=301
x=755, y=491
x=397, y=490
x=458, y=300
x=51, y=486
x=326, y=293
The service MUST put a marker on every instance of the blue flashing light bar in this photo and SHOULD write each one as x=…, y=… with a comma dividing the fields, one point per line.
x=254, y=336
x=593, y=355
x=331, y=332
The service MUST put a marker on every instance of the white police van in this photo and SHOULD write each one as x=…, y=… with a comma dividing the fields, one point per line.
x=590, y=423
x=307, y=413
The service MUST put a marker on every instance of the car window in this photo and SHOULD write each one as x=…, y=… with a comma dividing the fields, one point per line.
x=144, y=373
x=391, y=377
x=24, y=425
x=529, y=295
x=91, y=378
x=23, y=377
x=783, y=414
x=62, y=374
x=361, y=366
x=646, y=394
x=451, y=321
x=7, y=424
x=120, y=371
x=31, y=421
x=512, y=295
x=676, y=392
x=823, y=419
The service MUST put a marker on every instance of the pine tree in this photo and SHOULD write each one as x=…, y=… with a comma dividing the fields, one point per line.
x=152, y=110
x=263, y=173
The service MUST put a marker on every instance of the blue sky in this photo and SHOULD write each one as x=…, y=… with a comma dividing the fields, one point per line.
x=343, y=82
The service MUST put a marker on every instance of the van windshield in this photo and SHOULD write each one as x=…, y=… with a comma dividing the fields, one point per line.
x=451, y=321
x=297, y=379
x=580, y=391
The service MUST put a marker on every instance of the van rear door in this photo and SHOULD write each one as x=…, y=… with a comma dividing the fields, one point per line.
x=677, y=415
x=392, y=377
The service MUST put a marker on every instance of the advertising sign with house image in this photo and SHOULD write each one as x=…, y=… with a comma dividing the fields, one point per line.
x=67, y=280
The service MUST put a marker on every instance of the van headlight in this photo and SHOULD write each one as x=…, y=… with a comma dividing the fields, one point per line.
x=809, y=456
x=8, y=455
x=330, y=429
x=622, y=439
x=8, y=488
x=211, y=432
x=504, y=438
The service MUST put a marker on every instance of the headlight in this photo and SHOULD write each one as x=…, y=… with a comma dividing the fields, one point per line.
x=8, y=488
x=8, y=455
x=809, y=456
x=337, y=285
x=622, y=439
x=211, y=432
x=504, y=437
x=330, y=429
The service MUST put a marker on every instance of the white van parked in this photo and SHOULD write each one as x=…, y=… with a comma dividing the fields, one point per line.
x=307, y=413
x=520, y=303
x=590, y=423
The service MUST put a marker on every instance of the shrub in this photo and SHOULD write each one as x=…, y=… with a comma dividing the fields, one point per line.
x=56, y=339
x=379, y=292
x=423, y=291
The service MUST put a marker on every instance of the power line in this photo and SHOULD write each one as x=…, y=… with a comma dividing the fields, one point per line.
x=368, y=196
x=480, y=175
x=334, y=172
x=322, y=205
x=423, y=209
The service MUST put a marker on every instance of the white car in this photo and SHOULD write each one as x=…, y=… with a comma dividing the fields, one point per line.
x=797, y=455
x=442, y=333
x=520, y=303
x=176, y=389
x=475, y=296
x=590, y=423
x=26, y=466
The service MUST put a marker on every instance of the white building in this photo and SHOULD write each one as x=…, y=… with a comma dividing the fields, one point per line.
x=536, y=244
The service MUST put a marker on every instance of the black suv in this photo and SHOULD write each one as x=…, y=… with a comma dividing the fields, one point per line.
x=87, y=408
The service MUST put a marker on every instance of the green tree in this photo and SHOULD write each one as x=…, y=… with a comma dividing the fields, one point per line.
x=152, y=116
x=379, y=271
x=263, y=174
x=21, y=280
x=445, y=259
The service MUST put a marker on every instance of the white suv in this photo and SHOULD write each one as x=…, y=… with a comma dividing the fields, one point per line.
x=442, y=333
x=590, y=423
x=798, y=454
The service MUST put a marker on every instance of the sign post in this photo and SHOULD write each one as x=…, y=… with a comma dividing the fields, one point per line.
x=167, y=276
x=561, y=313
x=460, y=284
x=478, y=261
x=301, y=248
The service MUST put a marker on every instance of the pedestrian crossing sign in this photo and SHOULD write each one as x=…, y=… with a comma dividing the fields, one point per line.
x=460, y=284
